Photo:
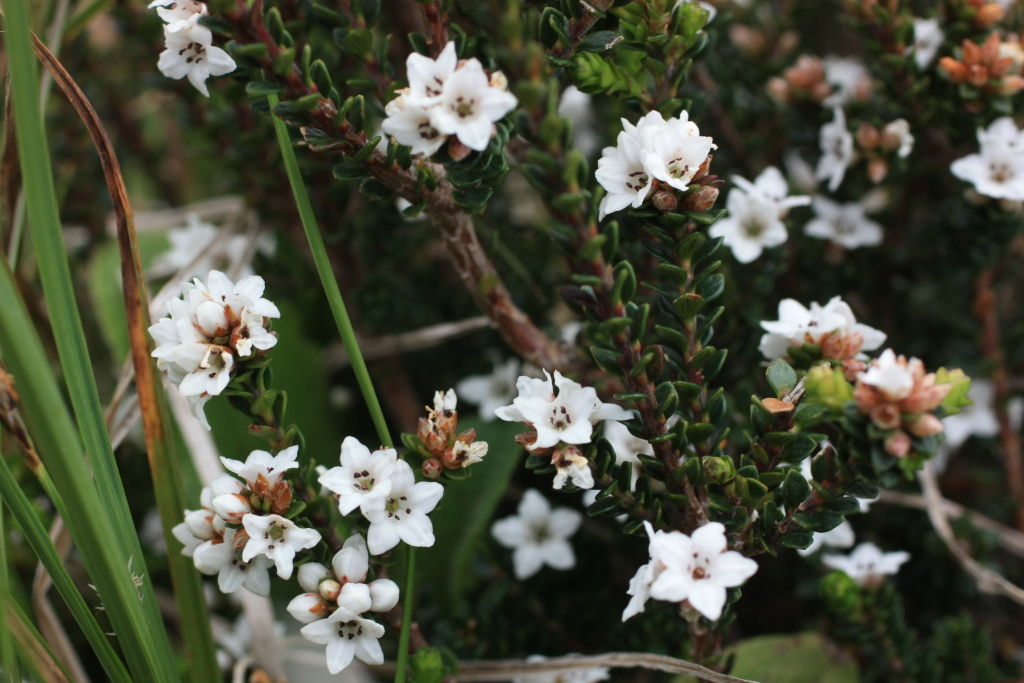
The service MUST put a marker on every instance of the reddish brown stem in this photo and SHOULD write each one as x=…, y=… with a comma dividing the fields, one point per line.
x=1009, y=440
x=436, y=21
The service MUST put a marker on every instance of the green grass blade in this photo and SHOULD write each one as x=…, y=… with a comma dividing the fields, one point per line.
x=33, y=647
x=7, y=657
x=330, y=283
x=39, y=540
x=100, y=521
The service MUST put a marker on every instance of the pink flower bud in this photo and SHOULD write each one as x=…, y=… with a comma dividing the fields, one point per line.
x=432, y=468
x=897, y=444
x=665, y=200
x=886, y=416
x=925, y=425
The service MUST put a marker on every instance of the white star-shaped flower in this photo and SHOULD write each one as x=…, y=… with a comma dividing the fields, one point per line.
x=538, y=535
x=699, y=569
x=469, y=105
x=345, y=639
x=428, y=76
x=798, y=325
x=894, y=379
x=568, y=417
x=277, y=538
x=848, y=76
x=402, y=513
x=263, y=464
x=625, y=176
x=845, y=224
x=867, y=564
x=928, y=38
x=752, y=226
x=997, y=170
x=362, y=477
x=570, y=463
x=219, y=558
x=492, y=391
x=676, y=158
x=772, y=186
x=189, y=51
x=836, y=151
x=176, y=13
x=411, y=125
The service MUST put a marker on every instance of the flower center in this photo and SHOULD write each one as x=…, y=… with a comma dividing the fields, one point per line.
x=541, y=533
x=677, y=171
x=560, y=418
x=350, y=630
x=397, y=506
x=1001, y=173
x=195, y=53
x=844, y=227
x=426, y=131
x=637, y=181
x=363, y=481
x=699, y=573
x=754, y=228
x=464, y=107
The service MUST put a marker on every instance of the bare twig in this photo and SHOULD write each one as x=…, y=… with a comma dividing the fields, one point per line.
x=481, y=671
x=1011, y=540
x=988, y=581
x=417, y=340
x=578, y=28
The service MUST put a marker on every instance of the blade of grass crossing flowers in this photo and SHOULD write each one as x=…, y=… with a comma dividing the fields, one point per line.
x=323, y=267
x=7, y=657
x=100, y=520
x=348, y=337
x=39, y=540
x=160, y=445
x=34, y=648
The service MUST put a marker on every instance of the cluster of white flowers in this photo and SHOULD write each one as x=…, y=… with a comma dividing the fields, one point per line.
x=335, y=602
x=241, y=557
x=209, y=328
x=997, y=170
x=445, y=98
x=385, y=490
x=538, y=535
x=697, y=569
x=561, y=422
x=188, y=45
x=849, y=77
x=756, y=210
x=654, y=150
x=833, y=327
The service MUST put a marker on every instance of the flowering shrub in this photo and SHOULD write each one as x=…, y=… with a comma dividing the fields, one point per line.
x=660, y=448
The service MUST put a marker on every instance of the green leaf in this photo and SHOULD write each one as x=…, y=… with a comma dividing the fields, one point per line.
x=358, y=42
x=960, y=384
x=800, y=658
x=711, y=287
x=100, y=520
x=809, y=412
x=781, y=377
x=797, y=539
x=599, y=41
x=795, y=489
x=262, y=88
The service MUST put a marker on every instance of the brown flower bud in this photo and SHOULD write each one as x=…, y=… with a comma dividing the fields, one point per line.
x=971, y=53
x=704, y=168
x=868, y=136
x=977, y=75
x=749, y=41
x=457, y=150
x=841, y=346
x=280, y=497
x=432, y=437
x=989, y=15
x=852, y=368
x=703, y=199
x=240, y=539
x=330, y=589
x=897, y=444
x=432, y=468
x=886, y=416
x=924, y=425
x=956, y=71
x=665, y=200
x=1011, y=85
x=778, y=90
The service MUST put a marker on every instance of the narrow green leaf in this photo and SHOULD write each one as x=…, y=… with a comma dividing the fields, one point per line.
x=7, y=657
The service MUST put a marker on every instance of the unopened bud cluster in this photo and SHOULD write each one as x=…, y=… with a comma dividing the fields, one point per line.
x=442, y=446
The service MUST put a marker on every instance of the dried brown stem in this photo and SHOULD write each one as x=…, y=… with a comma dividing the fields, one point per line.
x=1009, y=440
x=578, y=28
x=436, y=21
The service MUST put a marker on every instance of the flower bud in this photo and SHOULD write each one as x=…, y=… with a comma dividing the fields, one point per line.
x=852, y=368
x=1011, y=85
x=499, y=81
x=456, y=149
x=886, y=416
x=867, y=136
x=310, y=574
x=224, y=484
x=307, y=608
x=236, y=538
x=897, y=444
x=778, y=90
x=383, y=595
x=877, y=170
x=841, y=346
x=703, y=199
x=200, y=523
x=924, y=425
x=977, y=75
x=352, y=562
x=353, y=600
x=956, y=71
x=432, y=468
x=329, y=590
x=989, y=15
x=749, y=41
x=718, y=469
x=665, y=201
x=232, y=507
